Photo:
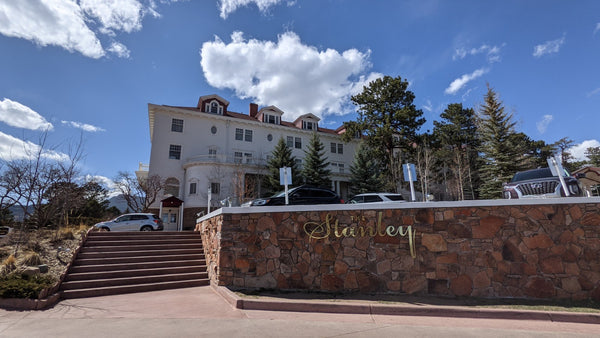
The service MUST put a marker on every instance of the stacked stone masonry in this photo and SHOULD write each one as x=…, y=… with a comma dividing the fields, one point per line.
x=522, y=251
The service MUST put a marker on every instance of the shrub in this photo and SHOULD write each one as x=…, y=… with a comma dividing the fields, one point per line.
x=32, y=259
x=9, y=264
x=15, y=286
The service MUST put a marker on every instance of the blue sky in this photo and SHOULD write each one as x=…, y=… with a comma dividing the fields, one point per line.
x=88, y=68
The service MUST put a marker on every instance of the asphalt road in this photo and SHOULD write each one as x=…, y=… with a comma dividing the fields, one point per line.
x=200, y=312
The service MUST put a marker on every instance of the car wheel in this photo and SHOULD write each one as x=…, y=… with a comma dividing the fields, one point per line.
x=146, y=228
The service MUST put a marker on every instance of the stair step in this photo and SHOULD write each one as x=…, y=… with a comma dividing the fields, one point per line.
x=97, y=283
x=144, y=241
x=140, y=234
x=140, y=247
x=145, y=264
x=114, y=290
x=125, y=262
x=139, y=259
x=116, y=254
x=81, y=276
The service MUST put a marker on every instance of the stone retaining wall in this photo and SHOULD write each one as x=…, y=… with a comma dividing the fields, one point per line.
x=540, y=250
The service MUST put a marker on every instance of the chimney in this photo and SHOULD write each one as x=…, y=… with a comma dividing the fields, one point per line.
x=253, y=109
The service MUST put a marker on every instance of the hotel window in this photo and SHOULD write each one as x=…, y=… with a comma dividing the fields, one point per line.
x=248, y=157
x=248, y=135
x=215, y=188
x=298, y=143
x=290, y=142
x=237, y=157
x=175, y=152
x=192, y=188
x=177, y=125
x=341, y=167
x=212, y=153
x=214, y=108
x=271, y=119
x=298, y=163
x=337, y=148
x=309, y=125
x=239, y=134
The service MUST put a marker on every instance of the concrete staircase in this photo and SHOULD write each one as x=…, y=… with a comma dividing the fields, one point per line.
x=112, y=263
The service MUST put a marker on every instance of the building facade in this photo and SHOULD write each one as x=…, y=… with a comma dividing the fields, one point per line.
x=208, y=155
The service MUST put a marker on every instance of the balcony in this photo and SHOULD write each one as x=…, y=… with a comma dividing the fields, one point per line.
x=224, y=159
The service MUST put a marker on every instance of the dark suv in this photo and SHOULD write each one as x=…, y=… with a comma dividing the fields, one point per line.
x=299, y=195
x=539, y=183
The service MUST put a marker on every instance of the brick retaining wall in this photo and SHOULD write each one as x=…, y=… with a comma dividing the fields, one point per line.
x=502, y=249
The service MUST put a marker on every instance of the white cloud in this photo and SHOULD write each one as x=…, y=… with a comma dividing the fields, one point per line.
x=457, y=84
x=82, y=126
x=12, y=148
x=17, y=115
x=428, y=106
x=297, y=78
x=578, y=151
x=593, y=92
x=548, y=47
x=543, y=124
x=491, y=52
x=120, y=50
x=229, y=6
x=67, y=23
x=59, y=22
x=597, y=28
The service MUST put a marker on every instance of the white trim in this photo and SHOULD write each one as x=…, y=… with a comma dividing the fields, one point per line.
x=401, y=205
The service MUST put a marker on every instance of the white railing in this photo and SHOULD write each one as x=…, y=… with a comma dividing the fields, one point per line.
x=226, y=159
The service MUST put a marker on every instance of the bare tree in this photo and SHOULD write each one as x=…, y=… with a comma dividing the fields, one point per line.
x=139, y=193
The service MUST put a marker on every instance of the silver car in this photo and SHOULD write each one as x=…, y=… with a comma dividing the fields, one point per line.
x=377, y=197
x=132, y=222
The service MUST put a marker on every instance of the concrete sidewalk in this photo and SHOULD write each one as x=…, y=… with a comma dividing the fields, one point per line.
x=208, y=311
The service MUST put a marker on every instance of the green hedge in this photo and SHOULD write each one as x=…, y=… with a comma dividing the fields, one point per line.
x=17, y=286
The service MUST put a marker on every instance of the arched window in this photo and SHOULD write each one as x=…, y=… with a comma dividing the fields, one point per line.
x=214, y=108
x=172, y=186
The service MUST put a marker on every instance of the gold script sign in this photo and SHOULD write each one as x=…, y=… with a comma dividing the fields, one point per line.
x=316, y=230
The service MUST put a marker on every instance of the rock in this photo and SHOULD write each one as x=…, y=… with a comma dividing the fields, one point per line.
x=488, y=227
x=461, y=285
x=31, y=271
x=434, y=242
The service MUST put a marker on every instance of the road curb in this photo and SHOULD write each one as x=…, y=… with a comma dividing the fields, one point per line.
x=400, y=310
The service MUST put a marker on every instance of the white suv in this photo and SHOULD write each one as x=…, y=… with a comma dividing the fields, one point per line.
x=377, y=197
x=132, y=222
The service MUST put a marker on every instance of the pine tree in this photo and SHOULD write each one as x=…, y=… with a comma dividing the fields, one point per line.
x=501, y=156
x=280, y=157
x=389, y=120
x=314, y=169
x=459, y=141
x=365, y=173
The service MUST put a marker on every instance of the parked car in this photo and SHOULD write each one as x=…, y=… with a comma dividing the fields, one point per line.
x=132, y=222
x=299, y=195
x=376, y=197
x=539, y=183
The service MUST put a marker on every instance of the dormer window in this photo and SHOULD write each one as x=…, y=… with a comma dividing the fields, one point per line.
x=273, y=119
x=214, y=108
x=308, y=125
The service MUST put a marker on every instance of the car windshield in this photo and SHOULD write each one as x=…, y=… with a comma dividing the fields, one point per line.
x=534, y=174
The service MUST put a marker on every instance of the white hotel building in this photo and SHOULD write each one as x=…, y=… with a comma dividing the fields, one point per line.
x=208, y=146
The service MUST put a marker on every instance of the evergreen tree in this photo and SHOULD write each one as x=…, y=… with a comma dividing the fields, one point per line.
x=501, y=156
x=365, y=173
x=280, y=157
x=388, y=120
x=459, y=141
x=314, y=169
x=593, y=154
